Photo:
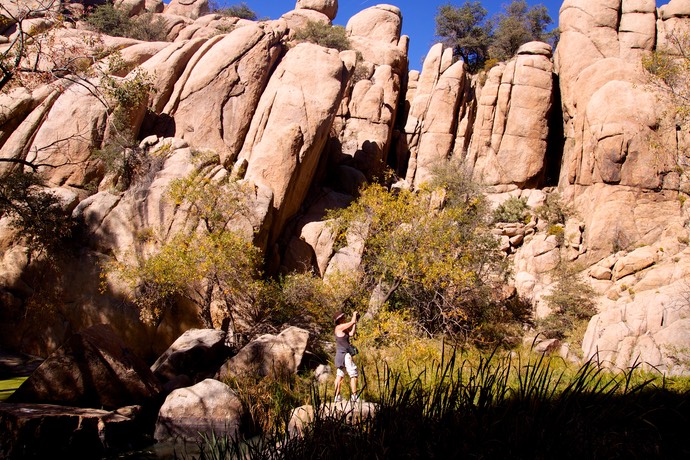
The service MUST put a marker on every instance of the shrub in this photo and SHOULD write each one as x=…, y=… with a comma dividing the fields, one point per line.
x=324, y=34
x=513, y=209
x=553, y=211
x=240, y=10
x=148, y=27
x=571, y=302
x=109, y=20
x=558, y=231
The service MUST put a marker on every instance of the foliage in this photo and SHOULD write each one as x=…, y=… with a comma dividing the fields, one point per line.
x=465, y=30
x=513, y=209
x=33, y=210
x=517, y=25
x=495, y=406
x=571, y=301
x=35, y=56
x=239, y=10
x=553, y=211
x=437, y=260
x=324, y=34
x=211, y=263
x=268, y=401
x=558, y=231
x=669, y=69
x=476, y=39
x=109, y=20
x=305, y=300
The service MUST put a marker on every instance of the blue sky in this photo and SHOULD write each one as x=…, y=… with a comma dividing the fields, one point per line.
x=418, y=16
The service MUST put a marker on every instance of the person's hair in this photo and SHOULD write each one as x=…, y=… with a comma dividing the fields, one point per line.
x=338, y=316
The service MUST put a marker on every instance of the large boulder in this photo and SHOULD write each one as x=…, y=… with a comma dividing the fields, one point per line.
x=345, y=411
x=291, y=125
x=275, y=355
x=198, y=353
x=189, y=8
x=94, y=368
x=509, y=141
x=380, y=22
x=207, y=408
x=215, y=97
x=47, y=431
x=433, y=116
x=327, y=7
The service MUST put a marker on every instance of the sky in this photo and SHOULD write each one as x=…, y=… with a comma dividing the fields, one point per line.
x=418, y=16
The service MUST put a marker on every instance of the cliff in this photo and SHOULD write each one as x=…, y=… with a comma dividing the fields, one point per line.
x=303, y=126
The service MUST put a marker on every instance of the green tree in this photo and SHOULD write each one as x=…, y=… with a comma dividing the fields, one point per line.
x=517, y=25
x=467, y=31
x=211, y=263
x=430, y=252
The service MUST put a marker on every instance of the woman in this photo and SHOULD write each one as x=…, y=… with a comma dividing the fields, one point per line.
x=343, y=359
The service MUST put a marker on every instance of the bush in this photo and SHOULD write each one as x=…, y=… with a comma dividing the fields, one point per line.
x=558, y=231
x=513, y=209
x=571, y=302
x=553, y=211
x=324, y=34
x=112, y=21
x=108, y=20
x=240, y=10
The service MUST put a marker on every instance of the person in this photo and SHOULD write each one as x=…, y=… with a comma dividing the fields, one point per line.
x=343, y=359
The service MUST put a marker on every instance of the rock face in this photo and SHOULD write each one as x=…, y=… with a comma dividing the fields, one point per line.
x=93, y=369
x=509, y=141
x=291, y=125
x=209, y=407
x=303, y=127
x=275, y=355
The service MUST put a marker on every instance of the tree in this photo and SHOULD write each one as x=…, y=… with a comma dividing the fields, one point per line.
x=211, y=263
x=432, y=253
x=517, y=25
x=465, y=30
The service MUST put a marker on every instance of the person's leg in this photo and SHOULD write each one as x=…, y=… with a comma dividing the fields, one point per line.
x=338, y=381
x=353, y=385
x=352, y=372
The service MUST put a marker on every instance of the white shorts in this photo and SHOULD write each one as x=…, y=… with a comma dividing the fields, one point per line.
x=350, y=367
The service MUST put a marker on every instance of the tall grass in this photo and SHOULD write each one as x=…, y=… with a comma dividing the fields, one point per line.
x=501, y=406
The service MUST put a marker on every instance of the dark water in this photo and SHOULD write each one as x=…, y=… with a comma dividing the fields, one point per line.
x=161, y=451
